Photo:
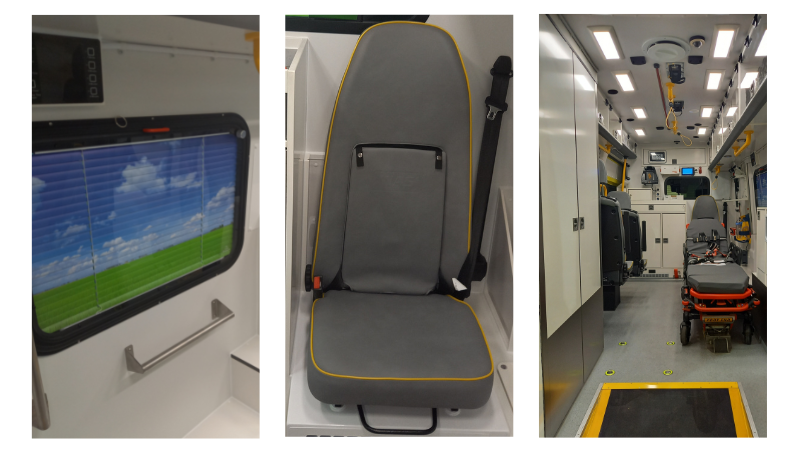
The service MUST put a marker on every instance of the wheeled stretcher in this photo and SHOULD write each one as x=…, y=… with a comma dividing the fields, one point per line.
x=716, y=290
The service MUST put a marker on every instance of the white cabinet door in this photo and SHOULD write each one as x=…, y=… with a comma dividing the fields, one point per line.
x=557, y=176
x=673, y=236
x=651, y=230
x=588, y=200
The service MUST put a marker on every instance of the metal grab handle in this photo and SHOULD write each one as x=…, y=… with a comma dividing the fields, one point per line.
x=41, y=409
x=219, y=312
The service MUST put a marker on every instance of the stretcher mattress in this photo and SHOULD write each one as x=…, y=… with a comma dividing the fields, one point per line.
x=717, y=278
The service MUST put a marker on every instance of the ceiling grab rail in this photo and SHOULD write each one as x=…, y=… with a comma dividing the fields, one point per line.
x=41, y=409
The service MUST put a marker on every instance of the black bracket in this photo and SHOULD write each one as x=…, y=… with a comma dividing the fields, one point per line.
x=398, y=432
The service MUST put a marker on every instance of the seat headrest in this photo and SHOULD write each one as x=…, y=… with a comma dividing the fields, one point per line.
x=622, y=197
x=602, y=174
x=705, y=207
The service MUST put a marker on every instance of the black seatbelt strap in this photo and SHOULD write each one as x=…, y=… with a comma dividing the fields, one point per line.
x=496, y=105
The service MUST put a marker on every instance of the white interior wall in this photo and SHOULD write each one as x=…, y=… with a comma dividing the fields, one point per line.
x=480, y=39
x=90, y=391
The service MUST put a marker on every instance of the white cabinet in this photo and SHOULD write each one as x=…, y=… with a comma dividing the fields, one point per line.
x=651, y=235
x=568, y=178
x=673, y=236
x=586, y=168
x=664, y=229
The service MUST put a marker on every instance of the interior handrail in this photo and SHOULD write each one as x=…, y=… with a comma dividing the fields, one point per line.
x=41, y=410
x=219, y=313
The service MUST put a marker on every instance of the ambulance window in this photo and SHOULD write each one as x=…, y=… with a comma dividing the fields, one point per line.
x=689, y=187
x=119, y=227
x=342, y=24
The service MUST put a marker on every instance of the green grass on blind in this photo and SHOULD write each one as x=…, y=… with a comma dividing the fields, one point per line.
x=65, y=305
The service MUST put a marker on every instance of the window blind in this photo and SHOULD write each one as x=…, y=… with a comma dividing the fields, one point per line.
x=112, y=223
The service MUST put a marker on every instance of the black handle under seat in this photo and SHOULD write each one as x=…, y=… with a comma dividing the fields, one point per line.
x=398, y=432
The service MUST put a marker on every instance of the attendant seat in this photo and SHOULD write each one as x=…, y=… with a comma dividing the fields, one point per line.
x=394, y=231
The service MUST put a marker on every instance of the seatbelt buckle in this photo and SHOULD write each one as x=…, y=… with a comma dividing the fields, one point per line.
x=317, y=291
x=494, y=107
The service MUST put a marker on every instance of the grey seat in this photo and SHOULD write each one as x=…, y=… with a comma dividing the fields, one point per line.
x=396, y=349
x=631, y=224
x=394, y=231
x=711, y=279
x=613, y=241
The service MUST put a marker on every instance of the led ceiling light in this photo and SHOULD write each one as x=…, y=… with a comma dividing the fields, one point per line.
x=748, y=79
x=624, y=81
x=640, y=132
x=607, y=44
x=762, y=46
x=713, y=80
x=702, y=130
x=732, y=111
x=723, y=43
x=706, y=111
x=640, y=113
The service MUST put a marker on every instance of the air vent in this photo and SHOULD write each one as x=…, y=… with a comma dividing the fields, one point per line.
x=655, y=275
x=638, y=60
x=613, y=91
x=695, y=59
x=666, y=48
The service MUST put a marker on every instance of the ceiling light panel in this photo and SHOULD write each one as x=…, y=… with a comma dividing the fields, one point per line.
x=706, y=111
x=702, y=130
x=640, y=113
x=625, y=81
x=640, y=132
x=713, y=80
x=723, y=42
x=762, y=46
x=731, y=111
x=607, y=41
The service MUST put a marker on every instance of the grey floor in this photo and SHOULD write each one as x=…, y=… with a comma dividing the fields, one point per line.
x=647, y=318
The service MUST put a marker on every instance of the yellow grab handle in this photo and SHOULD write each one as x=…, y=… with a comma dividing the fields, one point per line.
x=253, y=37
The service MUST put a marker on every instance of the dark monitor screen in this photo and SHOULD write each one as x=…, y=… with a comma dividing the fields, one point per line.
x=66, y=70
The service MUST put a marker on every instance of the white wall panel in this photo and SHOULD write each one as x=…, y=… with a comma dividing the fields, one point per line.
x=90, y=392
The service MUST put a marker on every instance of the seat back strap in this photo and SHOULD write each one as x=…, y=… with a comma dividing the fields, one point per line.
x=496, y=106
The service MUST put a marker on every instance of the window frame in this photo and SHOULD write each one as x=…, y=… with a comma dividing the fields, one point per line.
x=341, y=26
x=75, y=134
x=685, y=177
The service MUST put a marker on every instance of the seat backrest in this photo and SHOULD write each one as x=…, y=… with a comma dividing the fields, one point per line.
x=397, y=187
x=602, y=172
x=622, y=197
x=705, y=219
x=612, y=233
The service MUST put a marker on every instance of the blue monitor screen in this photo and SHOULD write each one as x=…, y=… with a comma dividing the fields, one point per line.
x=687, y=170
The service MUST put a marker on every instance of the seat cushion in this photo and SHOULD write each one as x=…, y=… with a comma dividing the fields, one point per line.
x=398, y=350
x=717, y=278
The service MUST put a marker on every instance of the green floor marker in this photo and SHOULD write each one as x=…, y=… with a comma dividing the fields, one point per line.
x=623, y=343
x=671, y=343
x=667, y=372
x=609, y=373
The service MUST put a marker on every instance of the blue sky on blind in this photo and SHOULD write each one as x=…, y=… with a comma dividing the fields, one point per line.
x=142, y=198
